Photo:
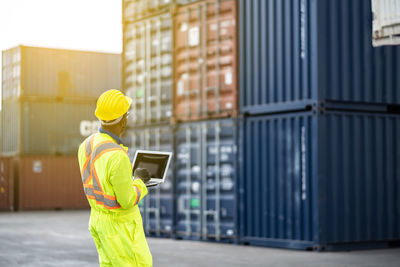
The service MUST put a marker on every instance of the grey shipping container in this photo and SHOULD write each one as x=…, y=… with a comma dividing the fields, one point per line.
x=205, y=173
x=43, y=127
x=157, y=207
x=147, y=69
x=34, y=72
x=133, y=10
x=320, y=181
x=293, y=54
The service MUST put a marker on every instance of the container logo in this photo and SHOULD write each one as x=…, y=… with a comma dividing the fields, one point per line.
x=87, y=128
x=194, y=36
x=37, y=166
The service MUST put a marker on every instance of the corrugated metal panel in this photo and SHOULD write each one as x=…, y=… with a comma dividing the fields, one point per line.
x=47, y=72
x=6, y=184
x=148, y=69
x=319, y=180
x=294, y=53
x=44, y=127
x=133, y=10
x=11, y=73
x=11, y=127
x=205, y=83
x=206, y=180
x=157, y=207
x=50, y=183
x=54, y=128
x=386, y=23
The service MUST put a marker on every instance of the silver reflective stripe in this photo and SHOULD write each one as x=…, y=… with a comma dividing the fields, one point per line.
x=89, y=191
x=86, y=172
x=100, y=198
x=88, y=146
x=97, y=152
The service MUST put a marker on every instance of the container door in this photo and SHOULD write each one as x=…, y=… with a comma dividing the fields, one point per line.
x=218, y=188
x=148, y=69
x=205, y=58
x=205, y=173
x=188, y=182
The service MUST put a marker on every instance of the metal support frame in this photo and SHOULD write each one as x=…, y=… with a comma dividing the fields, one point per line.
x=187, y=91
x=188, y=182
x=217, y=87
x=199, y=60
x=147, y=63
x=158, y=98
x=204, y=180
x=157, y=147
x=217, y=69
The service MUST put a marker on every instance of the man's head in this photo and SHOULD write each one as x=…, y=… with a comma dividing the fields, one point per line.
x=112, y=111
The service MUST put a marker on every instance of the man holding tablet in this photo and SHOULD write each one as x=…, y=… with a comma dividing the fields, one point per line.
x=115, y=221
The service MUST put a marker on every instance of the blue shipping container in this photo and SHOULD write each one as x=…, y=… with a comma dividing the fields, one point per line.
x=295, y=53
x=205, y=173
x=157, y=207
x=320, y=181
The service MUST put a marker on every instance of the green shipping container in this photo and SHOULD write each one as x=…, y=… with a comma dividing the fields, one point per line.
x=46, y=127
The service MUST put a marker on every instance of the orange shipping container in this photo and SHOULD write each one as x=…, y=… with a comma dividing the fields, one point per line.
x=205, y=84
x=6, y=184
x=46, y=182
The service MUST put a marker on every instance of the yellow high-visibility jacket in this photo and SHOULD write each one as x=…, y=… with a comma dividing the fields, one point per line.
x=115, y=220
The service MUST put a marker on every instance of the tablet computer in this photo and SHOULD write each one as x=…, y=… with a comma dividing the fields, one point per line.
x=156, y=162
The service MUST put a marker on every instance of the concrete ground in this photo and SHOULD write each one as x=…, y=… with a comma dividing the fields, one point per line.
x=61, y=238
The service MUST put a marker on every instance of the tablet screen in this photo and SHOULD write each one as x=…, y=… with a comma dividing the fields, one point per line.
x=154, y=163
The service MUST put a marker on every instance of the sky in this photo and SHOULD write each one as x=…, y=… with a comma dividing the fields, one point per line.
x=94, y=25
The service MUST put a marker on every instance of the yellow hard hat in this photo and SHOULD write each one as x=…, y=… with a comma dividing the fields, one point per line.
x=111, y=105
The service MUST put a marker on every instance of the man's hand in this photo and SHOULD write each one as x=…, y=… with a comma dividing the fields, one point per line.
x=143, y=174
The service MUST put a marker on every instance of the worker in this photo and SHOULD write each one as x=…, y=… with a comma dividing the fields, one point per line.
x=115, y=221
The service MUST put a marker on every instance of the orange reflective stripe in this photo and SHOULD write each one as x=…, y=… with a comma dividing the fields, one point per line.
x=95, y=191
x=107, y=150
x=94, y=169
x=101, y=198
x=138, y=195
x=103, y=194
x=88, y=158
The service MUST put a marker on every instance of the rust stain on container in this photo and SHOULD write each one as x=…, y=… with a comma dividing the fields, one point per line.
x=205, y=84
x=46, y=182
x=6, y=184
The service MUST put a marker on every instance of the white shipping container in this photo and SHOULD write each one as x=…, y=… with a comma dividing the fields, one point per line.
x=386, y=22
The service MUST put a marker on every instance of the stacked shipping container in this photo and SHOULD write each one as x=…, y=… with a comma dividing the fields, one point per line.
x=317, y=161
x=179, y=66
x=46, y=95
x=205, y=60
x=319, y=175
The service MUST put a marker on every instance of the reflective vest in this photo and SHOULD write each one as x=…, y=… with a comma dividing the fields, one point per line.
x=92, y=183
